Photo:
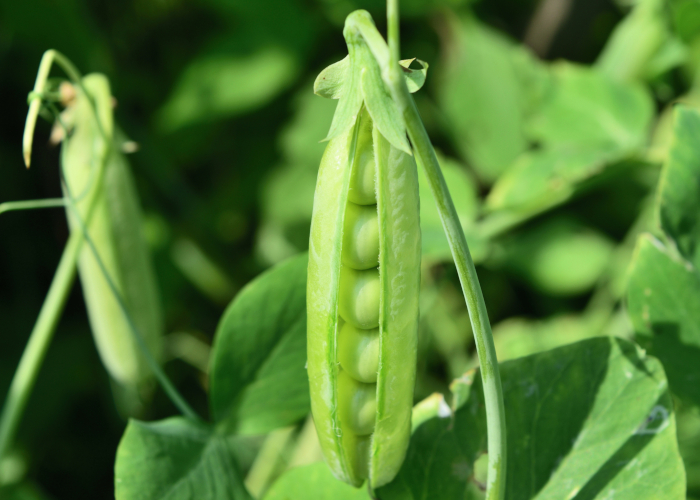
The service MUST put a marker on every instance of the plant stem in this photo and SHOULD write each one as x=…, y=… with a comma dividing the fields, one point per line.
x=9, y=206
x=425, y=155
x=39, y=340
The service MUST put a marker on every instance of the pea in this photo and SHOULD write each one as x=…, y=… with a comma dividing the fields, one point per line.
x=358, y=352
x=362, y=179
x=361, y=237
x=357, y=403
x=358, y=301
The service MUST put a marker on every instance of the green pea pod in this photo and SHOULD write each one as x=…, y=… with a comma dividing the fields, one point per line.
x=115, y=229
x=363, y=303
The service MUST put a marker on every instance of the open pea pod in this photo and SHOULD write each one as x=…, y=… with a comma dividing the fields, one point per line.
x=115, y=231
x=363, y=283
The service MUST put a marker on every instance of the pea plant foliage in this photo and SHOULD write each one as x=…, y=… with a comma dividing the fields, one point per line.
x=315, y=361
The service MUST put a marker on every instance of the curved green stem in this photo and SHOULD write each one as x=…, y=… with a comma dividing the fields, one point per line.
x=425, y=155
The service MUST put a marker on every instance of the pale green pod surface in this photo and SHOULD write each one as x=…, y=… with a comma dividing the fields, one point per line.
x=115, y=229
x=357, y=404
x=358, y=352
x=363, y=412
x=359, y=297
x=361, y=237
x=399, y=262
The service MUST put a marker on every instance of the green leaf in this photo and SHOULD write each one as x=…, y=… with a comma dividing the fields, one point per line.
x=639, y=47
x=487, y=91
x=175, y=459
x=258, y=377
x=663, y=299
x=559, y=256
x=415, y=79
x=679, y=186
x=313, y=481
x=219, y=86
x=517, y=337
x=588, y=123
x=590, y=420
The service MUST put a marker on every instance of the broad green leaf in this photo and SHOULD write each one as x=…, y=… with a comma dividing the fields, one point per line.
x=679, y=186
x=219, y=86
x=639, y=47
x=663, y=299
x=588, y=123
x=591, y=420
x=313, y=481
x=175, y=459
x=586, y=107
x=558, y=257
x=258, y=379
x=487, y=90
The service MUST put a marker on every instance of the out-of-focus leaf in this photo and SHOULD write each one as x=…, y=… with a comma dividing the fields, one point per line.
x=585, y=421
x=300, y=140
x=641, y=45
x=664, y=304
x=464, y=195
x=215, y=87
x=489, y=86
x=258, y=376
x=587, y=123
x=517, y=337
x=313, y=481
x=559, y=257
x=679, y=193
x=22, y=491
x=175, y=459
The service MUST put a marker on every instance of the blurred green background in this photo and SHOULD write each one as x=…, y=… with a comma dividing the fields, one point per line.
x=552, y=166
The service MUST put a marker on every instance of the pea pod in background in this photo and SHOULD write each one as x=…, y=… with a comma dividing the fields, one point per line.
x=363, y=278
x=115, y=230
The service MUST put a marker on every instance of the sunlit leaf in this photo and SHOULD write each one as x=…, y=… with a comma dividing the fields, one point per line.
x=590, y=420
x=215, y=87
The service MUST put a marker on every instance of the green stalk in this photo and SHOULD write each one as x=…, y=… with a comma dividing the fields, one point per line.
x=425, y=155
x=9, y=206
x=44, y=328
x=39, y=340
